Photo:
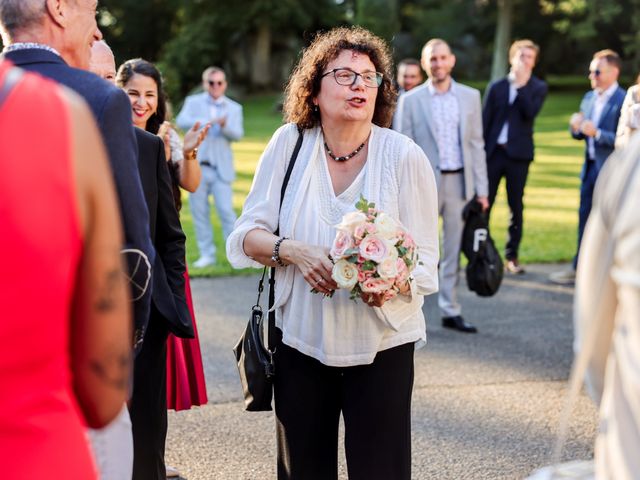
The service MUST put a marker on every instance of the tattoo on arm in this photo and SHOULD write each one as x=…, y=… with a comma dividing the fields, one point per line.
x=106, y=295
x=114, y=369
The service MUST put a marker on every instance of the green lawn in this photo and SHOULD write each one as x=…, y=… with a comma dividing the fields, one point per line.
x=551, y=196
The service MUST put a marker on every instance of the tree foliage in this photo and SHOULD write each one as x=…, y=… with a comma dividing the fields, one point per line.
x=258, y=41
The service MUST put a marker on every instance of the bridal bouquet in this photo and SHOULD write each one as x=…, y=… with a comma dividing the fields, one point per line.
x=373, y=253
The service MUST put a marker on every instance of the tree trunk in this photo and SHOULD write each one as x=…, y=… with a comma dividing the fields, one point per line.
x=502, y=39
x=261, y=58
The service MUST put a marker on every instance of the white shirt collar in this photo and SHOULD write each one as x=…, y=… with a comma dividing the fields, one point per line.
x=609, y=91
x=27, y=45
x=433, y=91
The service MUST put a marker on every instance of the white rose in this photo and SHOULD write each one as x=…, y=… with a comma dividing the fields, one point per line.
x=386, y=225
x=351, y=220
x=388, y=269
x=345, y=274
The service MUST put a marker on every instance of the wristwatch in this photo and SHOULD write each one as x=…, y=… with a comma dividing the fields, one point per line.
x=192, y=154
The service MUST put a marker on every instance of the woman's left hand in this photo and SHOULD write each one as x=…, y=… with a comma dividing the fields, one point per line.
x=194, y=137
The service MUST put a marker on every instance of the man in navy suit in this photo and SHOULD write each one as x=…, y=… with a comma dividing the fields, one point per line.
x=54, y=39
x=510, y=108
x=596, y=123
x=134, y=448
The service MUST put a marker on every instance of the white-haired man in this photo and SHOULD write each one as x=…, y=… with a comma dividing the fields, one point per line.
x=215, y=157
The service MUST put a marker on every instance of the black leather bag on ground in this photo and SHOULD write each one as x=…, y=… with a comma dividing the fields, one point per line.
x=485, y=268
x=255, y=359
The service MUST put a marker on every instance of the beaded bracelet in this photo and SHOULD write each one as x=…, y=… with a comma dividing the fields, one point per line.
x=276, y=252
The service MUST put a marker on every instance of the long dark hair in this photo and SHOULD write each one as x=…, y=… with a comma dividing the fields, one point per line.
x=142, y=67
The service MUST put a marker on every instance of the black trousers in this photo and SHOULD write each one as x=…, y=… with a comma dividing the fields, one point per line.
x=375, y=401
x=515, y=172
x=148, y=406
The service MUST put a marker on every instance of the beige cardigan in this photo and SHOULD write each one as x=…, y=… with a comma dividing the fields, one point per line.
x=608, y=299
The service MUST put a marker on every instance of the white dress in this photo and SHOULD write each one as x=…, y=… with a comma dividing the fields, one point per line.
x=398, y=178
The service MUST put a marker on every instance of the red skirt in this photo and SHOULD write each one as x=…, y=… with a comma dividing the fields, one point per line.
x=185, y=376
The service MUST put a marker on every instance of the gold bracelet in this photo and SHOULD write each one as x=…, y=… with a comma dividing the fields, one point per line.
x=192, y=154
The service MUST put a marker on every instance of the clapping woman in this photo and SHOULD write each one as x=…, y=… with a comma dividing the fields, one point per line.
x=338, y=356
x=142, y=81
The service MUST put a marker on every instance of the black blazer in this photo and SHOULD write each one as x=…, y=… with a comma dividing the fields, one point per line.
x=112, y=110
x=168, y=295
x=520, y=114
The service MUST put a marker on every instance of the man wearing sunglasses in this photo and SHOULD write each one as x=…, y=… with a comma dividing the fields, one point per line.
x=445, y=118
x=596, y=123
x=215, y=157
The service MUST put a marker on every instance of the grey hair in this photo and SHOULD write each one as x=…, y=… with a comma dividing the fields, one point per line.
x=208, y=71
x=16, y=15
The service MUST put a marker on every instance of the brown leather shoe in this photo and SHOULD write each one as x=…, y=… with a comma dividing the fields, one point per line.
x=513, y=266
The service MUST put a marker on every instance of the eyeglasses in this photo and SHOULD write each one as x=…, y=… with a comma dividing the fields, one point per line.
x=346, y=76
x=595, y=72
x=212, y=83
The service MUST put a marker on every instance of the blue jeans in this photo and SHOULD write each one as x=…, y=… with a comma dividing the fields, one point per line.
x=211, y=184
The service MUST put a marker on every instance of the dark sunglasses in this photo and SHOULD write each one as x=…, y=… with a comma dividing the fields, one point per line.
x=212, y=83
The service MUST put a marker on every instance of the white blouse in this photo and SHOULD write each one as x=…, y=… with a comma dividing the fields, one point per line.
x=396, y=176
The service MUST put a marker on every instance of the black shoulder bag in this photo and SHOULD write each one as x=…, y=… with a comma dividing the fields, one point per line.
x=255, y=360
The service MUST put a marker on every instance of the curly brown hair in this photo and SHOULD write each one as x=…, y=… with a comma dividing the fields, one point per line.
x=304, y=82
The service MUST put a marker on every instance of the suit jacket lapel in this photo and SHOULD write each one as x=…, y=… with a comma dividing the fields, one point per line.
x=606, y=109
x=425, y=100
x=462, y=105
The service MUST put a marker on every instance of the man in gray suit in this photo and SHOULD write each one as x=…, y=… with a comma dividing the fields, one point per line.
x=445, y=119
x=215, y=157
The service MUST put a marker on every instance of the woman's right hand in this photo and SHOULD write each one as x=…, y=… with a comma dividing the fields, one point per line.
x=164, y=132
x=313, y=262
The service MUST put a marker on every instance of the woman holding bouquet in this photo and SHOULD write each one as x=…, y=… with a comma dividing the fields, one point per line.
x=340, y=356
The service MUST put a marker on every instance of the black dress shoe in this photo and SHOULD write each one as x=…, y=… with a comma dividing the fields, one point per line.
x=458, y=323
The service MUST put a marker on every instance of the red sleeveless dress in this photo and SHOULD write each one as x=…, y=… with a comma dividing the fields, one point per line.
x=42, y=433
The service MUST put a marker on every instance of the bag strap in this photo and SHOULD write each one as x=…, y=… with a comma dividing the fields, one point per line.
x=272, y=337
x=285, y=182
x=11, y=79
x=581, y=362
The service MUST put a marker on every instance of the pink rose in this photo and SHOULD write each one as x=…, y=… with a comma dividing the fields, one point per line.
x=403, y=271
x=341, y=244
x=364, y=274
x=375, y=285
x=373, y=248
x=408, y=241
x=359, y=232
x=370, y=228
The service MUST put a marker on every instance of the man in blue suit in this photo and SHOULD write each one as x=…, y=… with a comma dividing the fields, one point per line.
x=596, y=123
x=54, y=39
x=510, y=108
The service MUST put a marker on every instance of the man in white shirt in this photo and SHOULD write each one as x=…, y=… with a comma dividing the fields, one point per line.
x=596, y=123
x=445, y=119
x=215, y=157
